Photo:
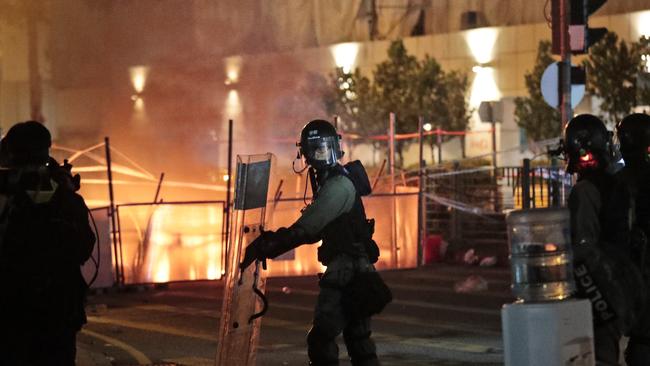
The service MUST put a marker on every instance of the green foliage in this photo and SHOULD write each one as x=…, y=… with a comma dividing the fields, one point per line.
x=540, y=120
x=612, y=70
x=354, y=99
x=404, y=86
x=643, y=82
x=397, y=82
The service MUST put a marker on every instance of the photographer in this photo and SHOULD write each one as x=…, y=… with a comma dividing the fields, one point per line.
x=44, y=239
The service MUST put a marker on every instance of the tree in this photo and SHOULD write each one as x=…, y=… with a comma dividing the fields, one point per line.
x=540, y=120
x=354, y=99
x=397, y=82
x=642, y=49
x=404, y=86
x=612, y=70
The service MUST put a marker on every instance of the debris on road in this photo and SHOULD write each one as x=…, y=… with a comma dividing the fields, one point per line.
x=472, y=283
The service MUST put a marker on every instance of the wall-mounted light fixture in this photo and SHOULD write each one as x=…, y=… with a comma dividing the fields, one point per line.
x=641, y=23
x=481, y=43
x=345, y=55
x=138, y=81
x=233, y=105
x=233, y=66
x=484, y=87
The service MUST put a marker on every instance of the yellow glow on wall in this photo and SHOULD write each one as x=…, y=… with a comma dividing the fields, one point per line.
x=233, y=105
x=138, y=103
x=345, y=55
x=138, y=77
x=233, y=67
x=641, y=21
x=484, y=87
x=481, y=43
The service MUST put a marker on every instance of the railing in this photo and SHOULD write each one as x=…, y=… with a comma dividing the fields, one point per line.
x=466, y=207
x=184, y=241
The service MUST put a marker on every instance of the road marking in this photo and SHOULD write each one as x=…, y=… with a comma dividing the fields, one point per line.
x=437, y=343
x=191, y=360
x=407, y=321
x=419, y=288
x=421, y=304
x=140, y=357
x=179, y=309
x=452, y=277
x=152, y=328
x=390, y=318
x=291, y=325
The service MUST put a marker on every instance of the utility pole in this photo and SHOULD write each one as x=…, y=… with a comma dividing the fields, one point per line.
x=371, y=13
x=565, y=69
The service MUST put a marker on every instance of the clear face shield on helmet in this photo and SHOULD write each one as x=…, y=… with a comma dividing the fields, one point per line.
x=322, y=151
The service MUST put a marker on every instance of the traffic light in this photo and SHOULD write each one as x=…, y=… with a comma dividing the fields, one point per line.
x=580, y=34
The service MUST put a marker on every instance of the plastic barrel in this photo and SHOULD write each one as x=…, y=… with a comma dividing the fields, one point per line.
x=540, y=254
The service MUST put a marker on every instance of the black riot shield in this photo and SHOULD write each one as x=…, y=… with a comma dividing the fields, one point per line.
x=243, y=301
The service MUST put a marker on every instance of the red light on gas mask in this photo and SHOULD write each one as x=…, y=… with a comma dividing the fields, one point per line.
x=587, y=161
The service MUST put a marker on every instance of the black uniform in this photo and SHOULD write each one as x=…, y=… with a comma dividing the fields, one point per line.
x=634, y=136
x=350, y=289
x=605, y=272
x=344, y=253
x=600, y=230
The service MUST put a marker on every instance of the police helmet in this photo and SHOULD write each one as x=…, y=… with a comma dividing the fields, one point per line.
x=588, y=145
x=319, y=144
x=633, y=134
x=26, y=143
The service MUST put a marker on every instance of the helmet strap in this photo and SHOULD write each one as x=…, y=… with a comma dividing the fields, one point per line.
x=313, y=181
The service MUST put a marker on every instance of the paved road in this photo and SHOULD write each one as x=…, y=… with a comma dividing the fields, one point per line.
x=427, y=323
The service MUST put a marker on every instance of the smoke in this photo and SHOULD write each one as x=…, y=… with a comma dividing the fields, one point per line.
x=156, y=77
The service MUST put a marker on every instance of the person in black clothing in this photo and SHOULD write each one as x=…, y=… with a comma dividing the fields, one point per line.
x=600, y=234
x=634, y=136
x=45, y=237
x=336, y=216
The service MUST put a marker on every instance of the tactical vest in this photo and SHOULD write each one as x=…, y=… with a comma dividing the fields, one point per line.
x=350, y=233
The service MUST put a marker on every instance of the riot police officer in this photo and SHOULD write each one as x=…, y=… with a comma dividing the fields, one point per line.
x=634, y=136
x=600, y=224
x=337, y=216
x=44, y=239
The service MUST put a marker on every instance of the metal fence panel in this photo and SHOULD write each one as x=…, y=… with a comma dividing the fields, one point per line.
x=101, y=263
x=171, y=242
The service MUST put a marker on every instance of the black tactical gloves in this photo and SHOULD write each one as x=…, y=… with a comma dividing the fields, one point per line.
x=271, y=244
